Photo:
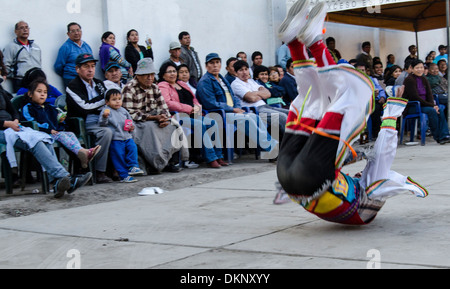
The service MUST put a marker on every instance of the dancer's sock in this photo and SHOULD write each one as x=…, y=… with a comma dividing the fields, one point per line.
x=298, y=50
x=321, y=54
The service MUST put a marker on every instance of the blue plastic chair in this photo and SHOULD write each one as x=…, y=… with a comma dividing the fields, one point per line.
x=414, y=116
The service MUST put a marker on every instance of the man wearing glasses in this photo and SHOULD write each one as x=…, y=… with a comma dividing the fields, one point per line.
x=74, y=46
x=21, y=55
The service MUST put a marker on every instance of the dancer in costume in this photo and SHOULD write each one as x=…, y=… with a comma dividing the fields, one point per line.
x=331, y=110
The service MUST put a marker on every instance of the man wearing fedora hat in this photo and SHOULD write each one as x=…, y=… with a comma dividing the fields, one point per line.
x=85, y=99
x=154, y=125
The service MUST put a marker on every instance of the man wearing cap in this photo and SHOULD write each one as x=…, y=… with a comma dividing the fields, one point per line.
x=215, y=93
x=113, y=75
x=65, y=65
x=154, y=125
x=175, y=52
x=85, y=99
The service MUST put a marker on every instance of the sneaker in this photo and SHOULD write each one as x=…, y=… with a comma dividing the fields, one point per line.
x=295, y=20
x=129, y=179
x=79, y=181
x=313, y=30
x=281, y=198
x=135, y=171
x=61, y=186
x=190, y=165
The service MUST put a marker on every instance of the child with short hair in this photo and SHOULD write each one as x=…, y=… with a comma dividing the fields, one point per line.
x=123, y=150
x=51, y=120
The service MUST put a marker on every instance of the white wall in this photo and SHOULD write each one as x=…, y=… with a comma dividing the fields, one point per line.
x=384, y=41
x=225, y=27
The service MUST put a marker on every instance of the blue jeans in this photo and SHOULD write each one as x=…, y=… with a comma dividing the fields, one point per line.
x=254, y=128
x=437, y=123
x=124, y=156
x=45, y=155
x=201, y=128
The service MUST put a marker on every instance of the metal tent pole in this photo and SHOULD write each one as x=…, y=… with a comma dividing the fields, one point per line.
x=447, y=8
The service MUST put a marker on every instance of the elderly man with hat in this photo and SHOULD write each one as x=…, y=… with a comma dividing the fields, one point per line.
x=155, y=129
x=215, y=93
x=85, y=99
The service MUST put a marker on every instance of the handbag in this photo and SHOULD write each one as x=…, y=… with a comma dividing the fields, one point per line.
x=443, y=98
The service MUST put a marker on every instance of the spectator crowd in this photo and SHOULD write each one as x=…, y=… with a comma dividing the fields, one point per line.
x=146, y=120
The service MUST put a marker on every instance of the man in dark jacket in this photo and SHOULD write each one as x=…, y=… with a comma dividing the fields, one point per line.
x=85, y=99
x=190, y=56
x=289, y=83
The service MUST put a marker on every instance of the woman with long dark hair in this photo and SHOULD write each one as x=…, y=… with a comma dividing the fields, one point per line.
x=108, y=53
x=135, y=52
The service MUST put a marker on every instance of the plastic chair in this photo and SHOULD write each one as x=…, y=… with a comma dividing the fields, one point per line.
x=414, y=116
x=26, y=158
x=77, y=126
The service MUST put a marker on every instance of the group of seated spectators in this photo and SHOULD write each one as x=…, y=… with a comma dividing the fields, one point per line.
x=140, y=118
x=424, y=82
x=145, y=119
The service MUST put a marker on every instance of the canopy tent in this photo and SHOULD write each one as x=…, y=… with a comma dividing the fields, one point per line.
x=406, y=15
x=412, y=16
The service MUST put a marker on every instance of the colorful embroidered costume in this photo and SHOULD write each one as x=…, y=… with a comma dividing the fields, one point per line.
x=331, y=110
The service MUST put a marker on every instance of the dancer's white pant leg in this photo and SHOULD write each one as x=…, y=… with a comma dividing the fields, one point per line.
x=381, y=158
x=377, y=180
x=351, y=94
x=308, y=85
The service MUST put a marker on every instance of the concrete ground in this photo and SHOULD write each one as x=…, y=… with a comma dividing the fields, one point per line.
x=233, y=224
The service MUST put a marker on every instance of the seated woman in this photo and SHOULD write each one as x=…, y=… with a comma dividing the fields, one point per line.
x=274, y=75
x=13, y=135
x=185, y=76
x=417, y=88
x=261, y=76
x=34, y=74
x=439, y=85
x=108, y=52
x=135, y=52
x=158, y=136
x=391, y=75
x=179, y=98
